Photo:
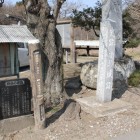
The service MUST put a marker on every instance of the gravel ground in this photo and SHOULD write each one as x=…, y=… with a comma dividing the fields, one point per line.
x=88, y=127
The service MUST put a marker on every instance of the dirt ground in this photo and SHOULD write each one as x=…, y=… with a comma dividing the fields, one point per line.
x=88, y=127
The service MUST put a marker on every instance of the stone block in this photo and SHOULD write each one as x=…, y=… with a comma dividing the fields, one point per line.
x=92, y=106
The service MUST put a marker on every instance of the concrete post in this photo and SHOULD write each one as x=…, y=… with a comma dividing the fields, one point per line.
x=36, y=82
x=39, y=86
x=66, y=50
x=73, y=49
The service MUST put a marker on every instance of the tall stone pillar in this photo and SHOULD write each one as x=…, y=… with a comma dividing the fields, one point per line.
x=112, y=12
x=110, y=47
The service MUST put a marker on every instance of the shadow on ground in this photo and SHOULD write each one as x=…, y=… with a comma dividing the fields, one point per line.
x=119, y=90
x=73, y=86
x=58, y=113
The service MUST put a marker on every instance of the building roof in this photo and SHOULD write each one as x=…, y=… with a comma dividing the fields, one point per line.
x=16, y=33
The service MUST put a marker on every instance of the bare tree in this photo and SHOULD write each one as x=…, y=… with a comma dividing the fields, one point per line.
x=67, y=8
x=11, y=14
x=42, y=23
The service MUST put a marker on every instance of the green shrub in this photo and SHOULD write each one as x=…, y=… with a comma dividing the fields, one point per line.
x=134, y=79
x=132, y=43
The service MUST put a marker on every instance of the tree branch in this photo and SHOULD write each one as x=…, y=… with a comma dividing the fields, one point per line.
x=95, y=32
x=32, y=6
x=57, y=8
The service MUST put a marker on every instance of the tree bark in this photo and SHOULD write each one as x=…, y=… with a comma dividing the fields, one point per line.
x=43, y=26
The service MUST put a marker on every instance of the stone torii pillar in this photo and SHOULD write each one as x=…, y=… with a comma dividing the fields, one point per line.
x=110, y=47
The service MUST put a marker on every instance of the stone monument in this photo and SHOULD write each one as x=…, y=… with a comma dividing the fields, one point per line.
x=37, y=83
x=110, y=47
x=112, y=13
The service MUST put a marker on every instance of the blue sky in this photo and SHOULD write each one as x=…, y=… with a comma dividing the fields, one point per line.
x=85, y=2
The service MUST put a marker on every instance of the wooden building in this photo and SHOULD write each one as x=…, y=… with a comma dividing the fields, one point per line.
x=10, y=35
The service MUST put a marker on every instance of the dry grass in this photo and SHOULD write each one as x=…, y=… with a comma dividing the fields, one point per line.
x=134, y=53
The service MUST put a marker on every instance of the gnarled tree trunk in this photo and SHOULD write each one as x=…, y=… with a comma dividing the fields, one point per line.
x=43, y=26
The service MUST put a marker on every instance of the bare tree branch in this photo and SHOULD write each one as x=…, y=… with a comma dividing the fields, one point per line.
x=57, y=8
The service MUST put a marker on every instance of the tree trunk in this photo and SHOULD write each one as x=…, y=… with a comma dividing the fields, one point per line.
x=43, y=27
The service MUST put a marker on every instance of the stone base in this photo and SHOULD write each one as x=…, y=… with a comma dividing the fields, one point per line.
x=90, y=105
x=16, y=123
